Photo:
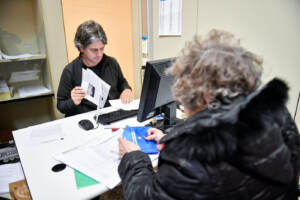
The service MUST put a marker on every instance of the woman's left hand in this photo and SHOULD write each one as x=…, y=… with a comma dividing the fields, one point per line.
x=125, y=147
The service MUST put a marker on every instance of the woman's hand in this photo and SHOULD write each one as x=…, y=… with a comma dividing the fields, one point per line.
x=125, y=147
x=156, y=135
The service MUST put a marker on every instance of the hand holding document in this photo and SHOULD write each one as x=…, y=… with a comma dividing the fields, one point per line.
x=137, y=135
x=95, y=88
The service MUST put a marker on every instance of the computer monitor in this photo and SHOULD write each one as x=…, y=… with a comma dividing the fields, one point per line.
x=157, y=97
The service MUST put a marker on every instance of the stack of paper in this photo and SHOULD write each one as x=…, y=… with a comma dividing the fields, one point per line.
x=21, y=56
x=98, y=159
x=117, y=103
x=10, y=173
x=27, y=75
x=32, y=90
x=10, y=167
x=4, y=90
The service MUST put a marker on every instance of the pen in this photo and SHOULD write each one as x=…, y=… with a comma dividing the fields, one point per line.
x=133, y=136
x=113, y=129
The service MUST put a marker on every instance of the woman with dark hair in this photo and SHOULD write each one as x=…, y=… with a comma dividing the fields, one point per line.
x=238, y=141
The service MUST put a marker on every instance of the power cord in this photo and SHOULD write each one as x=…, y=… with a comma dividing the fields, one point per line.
x=296, y=107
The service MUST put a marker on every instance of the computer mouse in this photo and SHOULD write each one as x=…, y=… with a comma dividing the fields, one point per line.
x=86, y=124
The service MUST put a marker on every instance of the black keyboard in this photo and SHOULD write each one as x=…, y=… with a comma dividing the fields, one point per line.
x=117, y=115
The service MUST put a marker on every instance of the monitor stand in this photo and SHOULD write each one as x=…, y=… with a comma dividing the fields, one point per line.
x=169, y=118
x=159, y=124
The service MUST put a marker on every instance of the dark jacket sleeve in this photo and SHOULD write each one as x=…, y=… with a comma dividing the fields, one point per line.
x=64, y=102
x=292, y=139
x=136, y=173
x=173, y=180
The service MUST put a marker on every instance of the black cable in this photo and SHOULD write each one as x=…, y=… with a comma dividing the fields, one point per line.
x=296, y=107
x=142, y=73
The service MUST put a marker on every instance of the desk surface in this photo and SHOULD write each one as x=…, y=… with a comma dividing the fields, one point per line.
x=37, y=160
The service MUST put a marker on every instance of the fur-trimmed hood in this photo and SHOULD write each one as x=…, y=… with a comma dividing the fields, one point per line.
x=247, y=133
x=271, y=97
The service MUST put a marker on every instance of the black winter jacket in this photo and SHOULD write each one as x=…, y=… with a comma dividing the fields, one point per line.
x=246, y=150
x=109, y=71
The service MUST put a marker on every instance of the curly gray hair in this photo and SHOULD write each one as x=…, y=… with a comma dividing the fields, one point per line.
x=214, y=70
x=89, y=32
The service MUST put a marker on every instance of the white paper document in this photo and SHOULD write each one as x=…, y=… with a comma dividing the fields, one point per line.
x=95, y=88
x=99, y=159
x=21, y=56
x=28, y=75
x=3, y=86
x=32, y=90
x=47, y=133
x=117, y=103
x=170, y=17
x=10, y=173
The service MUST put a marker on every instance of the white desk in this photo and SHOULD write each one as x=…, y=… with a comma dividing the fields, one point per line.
x=37, y=160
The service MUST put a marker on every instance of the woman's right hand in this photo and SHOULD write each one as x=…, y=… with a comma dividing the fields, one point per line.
x=155, y=134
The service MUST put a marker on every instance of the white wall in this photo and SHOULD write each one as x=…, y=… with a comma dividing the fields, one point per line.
x=269, y=28
x=162, y=46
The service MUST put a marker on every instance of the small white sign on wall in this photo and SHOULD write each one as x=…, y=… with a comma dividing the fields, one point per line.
x=170, y=17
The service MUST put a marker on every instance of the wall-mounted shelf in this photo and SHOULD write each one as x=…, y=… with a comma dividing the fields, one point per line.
x=23, y=59
x=22, y=34
x=17, y=99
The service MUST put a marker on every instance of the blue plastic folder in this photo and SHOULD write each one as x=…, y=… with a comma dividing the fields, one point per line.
x=138, y=134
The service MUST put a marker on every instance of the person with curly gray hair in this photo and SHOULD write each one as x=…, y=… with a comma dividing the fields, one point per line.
x=90, y=40
x=238, y=141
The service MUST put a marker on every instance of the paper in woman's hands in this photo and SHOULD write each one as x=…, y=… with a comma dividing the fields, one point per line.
x=95, y=88
x=137, y=135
